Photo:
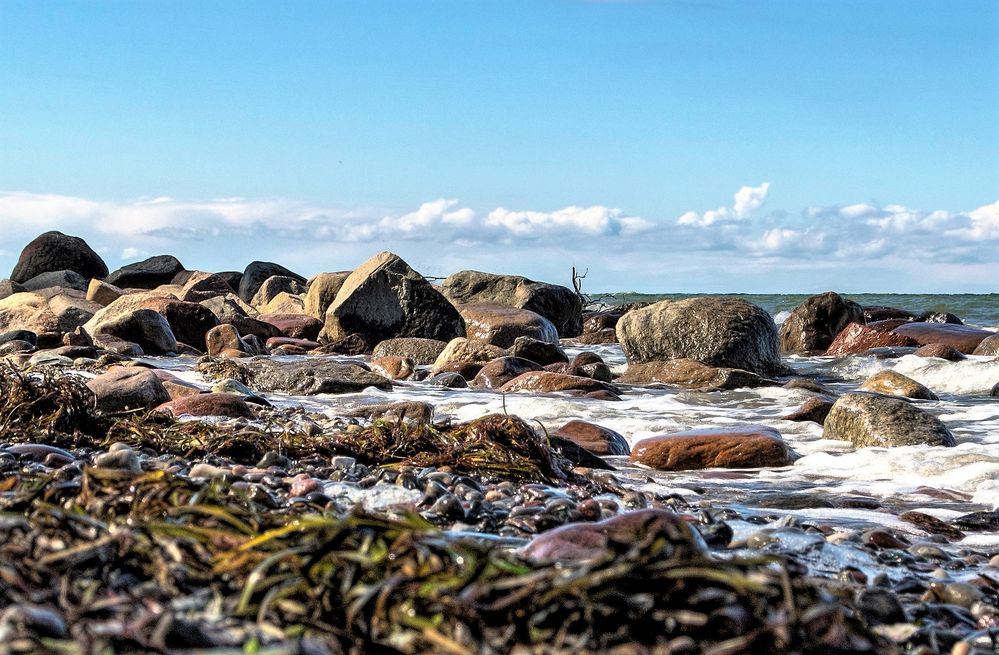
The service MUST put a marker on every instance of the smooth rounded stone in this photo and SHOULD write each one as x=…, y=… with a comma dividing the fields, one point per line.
x=692, y=374
x=257, y=272
x=284, y=303
x=742, y=447
x=343, y=462
x=961, y=594
x=607, y=335
x=55, y=251
x=78, y=337
x=276, y=284
x=405, y=409
x=577, y=455
x=462, y=350
x=47, y=315
x=16, y=346
x=423, y=352
x=309, y=377
x=224, y=338
x=64, y=279
x=177, y=388
x=123, y=458
x=73, y=352
x=880, y=607
x=123, y=388
x=560, y=305
x=147, y=274
x=272, y=458
x=929, y=551
x=598, y=371
x=882, y=538
x=717, y=331
x=892, y=383
x=548, y=382
x=208, y=404
x=447, y=507
x=201, y=286
x=384, y=298
x=960, y=337
x=501, y=370
x=296, y=326
x=501, y=325
x=393, y=367
x=9, y=288
x=538, y=351
x=19, y=335
x=40, y=622
x=813, y=325
x=856, y=338
x=145, y=327
x=989, y=346
x=206, y=471
x=304, y=344
x=591, y=541
x=38, y=451
x=890, y=353
x=761, y=539
x=322, y=290
x=867, y=420
x=943, y=351
x=594, y=438
x=814, y=409
x=49, y=358
x=586, y=357
x=448, y=381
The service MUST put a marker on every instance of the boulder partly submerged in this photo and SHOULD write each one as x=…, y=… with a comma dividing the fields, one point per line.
x=868, y=419
x=305, y=377
x=717, y=331
x=692, y=374
x=742, y=447
x=814, y=324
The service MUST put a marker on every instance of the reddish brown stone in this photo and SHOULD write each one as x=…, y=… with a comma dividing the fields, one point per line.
x=594, y=438
x=304, y=344
x=296, y=326
x=856, y=338
x=224, y=338
x=961, y=337
x=208, y=404
x=547, y=382
x=691, y=374
x=607, y=335
x=501, y=370
x=393, y=367
x=989, y=346
x=814, y=409
x=747, y=447
x=941, y=350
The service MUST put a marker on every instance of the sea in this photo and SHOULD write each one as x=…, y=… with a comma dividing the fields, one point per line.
x=830, y=482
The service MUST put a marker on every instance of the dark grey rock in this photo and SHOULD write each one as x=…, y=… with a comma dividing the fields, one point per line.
x=64, y=279
x=147, y=274
x=814, y=324
x=866, y=419
x=257, y=272
x=55, y=251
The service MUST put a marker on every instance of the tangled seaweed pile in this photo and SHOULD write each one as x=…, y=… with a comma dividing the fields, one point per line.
x=111, y=560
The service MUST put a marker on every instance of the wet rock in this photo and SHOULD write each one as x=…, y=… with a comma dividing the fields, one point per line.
x=932, y=525
x=225, y=340
x=296, y=326
x=352, y=344
x=995, y=390
x=692, y=374
x=406, y=409
x=257, y=272
x=147, y=274
x=960, y=337
x=277, y=284
x=594, y=438
x=978, y=521
x=744, y=447
x=988, y=347
x=813, y=325
x=422, y=352
x=577, y=455
x=941, y=351
x=892, y=383
x=537, y=351
x=124, y=388
x=448, y=380
x=501, y=370
x=597, y=371
x=189, y=322
x=64, y=279
x=16, y=346
x=813, y=409
x=586, y=541
x=38, y=451
x=121, y=457
x=208, y=404
x=880, y=607
x=548, y=382
x=938, y=317
x=322, y=291
x=883, y=421
x=806, y=384
x=55, y=251
x=305, y=377
x=206, y=471
x=465, y=350
x=881, y=538
x=304, y=344
x=716, y=331
x=607, y=335
x=856, y=338
x=500, y=325
x=558, y=304
x=32, y=620
x=393, y=367
x=384, y=298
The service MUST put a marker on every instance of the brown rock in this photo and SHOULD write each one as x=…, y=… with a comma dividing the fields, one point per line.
x=413, y=410
x=595, y=322
x=961, y=337
x=814, y=324
x=393, y=367
x=304, y=344
x=124, y=388
x=466, y=370
x=48, y=316
x=857, y=339
x=189, y=321
x=988, y=347
x=539, y=352
x=547, y=382
x=423, y=352
x=868, y=419
x=322, y=291
x=941, y=351
x=275, y=285
x=745, y=447
x=103, y=293
x=297, y=326
x=201, y=286
x=461, y=349
x=501, y=370
x=500, y=325
x=932, y=524
x=892, y=383
x=608, y=335
x=208, y=404
x=594, y=438
x=691, y=374
x=224, y=338
x=814, y=409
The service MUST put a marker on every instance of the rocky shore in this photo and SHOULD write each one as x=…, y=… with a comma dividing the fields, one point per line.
x=175, y=478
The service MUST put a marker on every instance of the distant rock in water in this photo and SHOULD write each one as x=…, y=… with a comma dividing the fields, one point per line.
x=717, y=331
x=960, y=337
x=814, y=324
x=55, y=251
x=742, y=447
x=857, y=338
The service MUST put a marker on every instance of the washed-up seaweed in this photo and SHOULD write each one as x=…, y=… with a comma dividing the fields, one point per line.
x=114, y=562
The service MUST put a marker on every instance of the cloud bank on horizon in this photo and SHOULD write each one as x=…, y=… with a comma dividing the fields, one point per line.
x=740, y=247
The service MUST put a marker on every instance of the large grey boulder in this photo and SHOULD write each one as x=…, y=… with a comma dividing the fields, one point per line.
x=717, y=331
x=123, y=388
x=257, y=272
x=55, y=251
x=558, y=304
x=130, y=318
x=385, y=299
x=147, y=274
x=53, y=279
x=814, y=324
x=867, y=419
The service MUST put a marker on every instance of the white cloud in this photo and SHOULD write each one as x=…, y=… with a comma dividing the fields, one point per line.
x=589, y=221
x=748, y=199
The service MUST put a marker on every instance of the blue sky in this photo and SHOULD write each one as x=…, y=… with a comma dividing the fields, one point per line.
x=520, y=137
